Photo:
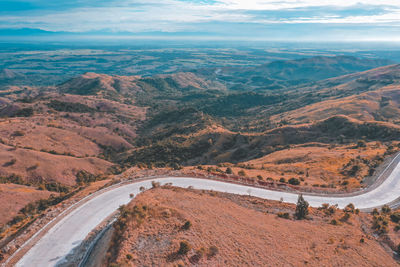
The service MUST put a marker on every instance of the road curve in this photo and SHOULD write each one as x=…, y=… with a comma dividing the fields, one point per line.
x=69, y=232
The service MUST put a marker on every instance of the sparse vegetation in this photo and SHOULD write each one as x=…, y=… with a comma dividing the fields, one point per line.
x=284, y=215
x=184, y=248
x=84, y=177
x=24, y=112
x=70, y=107
x=380, y=224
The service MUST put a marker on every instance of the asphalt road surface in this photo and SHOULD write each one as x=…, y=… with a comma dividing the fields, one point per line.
x=69, y=232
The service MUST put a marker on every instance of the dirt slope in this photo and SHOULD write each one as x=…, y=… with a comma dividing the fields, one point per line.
x=34, y=165
x=229, y=230
x=14, y=197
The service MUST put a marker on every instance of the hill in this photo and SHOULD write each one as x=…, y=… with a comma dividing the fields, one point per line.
x=369, y=95
x=314, y=134
x=235, y=230
x=284, y=74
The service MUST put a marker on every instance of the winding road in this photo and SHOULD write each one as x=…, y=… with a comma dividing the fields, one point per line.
x=71, y=230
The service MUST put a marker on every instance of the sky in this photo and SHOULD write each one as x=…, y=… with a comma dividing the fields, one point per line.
x=286, y=20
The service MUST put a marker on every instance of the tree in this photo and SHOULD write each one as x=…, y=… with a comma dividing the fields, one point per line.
x=301, y=208
x=229, y=170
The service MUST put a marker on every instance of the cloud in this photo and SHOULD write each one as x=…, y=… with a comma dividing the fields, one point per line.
x=209, y=16
x=289, y=4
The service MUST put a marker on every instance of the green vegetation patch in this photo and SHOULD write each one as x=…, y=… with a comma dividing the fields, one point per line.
x=70, y=107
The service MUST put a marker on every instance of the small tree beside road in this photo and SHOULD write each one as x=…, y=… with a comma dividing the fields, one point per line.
x=301, y=208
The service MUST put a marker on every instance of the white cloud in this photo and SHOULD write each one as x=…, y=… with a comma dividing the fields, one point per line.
x=174, y=15
x=287, y=4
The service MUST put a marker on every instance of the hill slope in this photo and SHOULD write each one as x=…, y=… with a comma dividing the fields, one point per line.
x=232, y=230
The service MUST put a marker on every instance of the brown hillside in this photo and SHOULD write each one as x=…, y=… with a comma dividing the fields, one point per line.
x=229, y=230
x=94, y=83
x=380, y=105
x=14, y=197
x=35, y=166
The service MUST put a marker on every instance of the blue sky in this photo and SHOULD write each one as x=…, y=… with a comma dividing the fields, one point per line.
x=291, y=20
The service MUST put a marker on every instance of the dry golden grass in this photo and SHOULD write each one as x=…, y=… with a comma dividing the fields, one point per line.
x=33, y=165
x=381, y=105
x=246, y=232
x=14, y=197
x=314, y=164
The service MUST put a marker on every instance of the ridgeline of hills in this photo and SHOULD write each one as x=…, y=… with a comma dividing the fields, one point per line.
x=208, y=116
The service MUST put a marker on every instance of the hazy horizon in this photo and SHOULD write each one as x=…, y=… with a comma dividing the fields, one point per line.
x=202, y=20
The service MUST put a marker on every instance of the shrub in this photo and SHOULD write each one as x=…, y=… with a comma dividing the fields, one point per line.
x=56, y=187
x=13, y=178
x=294, y=181
x=324, y=206
x=212, y=251
x=229, y=171
x=345, y=217
x=361, y=143
x=334, y=222
x=380, y=224
x=386, y=209
x=328, y=210
x=282, y=180
x=349, y=208
x=210, y=169
x=84, y=177
x=332, y=209
x=129, y=256
x=176, y=166
x=187, y=225
x=375, y=212
x=24, y=112
x=155, y=184
x=184, y=248
x=284, y=215
x=18, y=133
x=69, y=107
x=395, y=217
x=10, y=163
x=259, y=177
x=242, y=173
x=301, y=208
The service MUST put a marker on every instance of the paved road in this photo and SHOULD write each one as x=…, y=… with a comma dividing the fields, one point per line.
x=72, y=229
